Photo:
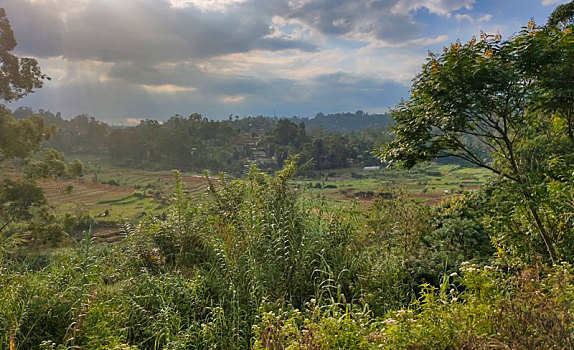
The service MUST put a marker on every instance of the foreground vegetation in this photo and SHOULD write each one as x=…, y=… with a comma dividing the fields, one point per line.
x=269, y=262
x=258, y=264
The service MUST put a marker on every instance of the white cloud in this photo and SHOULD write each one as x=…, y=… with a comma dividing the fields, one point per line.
x=414, y=43
x=206, y=5
x=551, y=2
x=232, y=99
x=485, y=18
x=440, y=7
x=168, y=88
x=465, y=17
x=460, y=17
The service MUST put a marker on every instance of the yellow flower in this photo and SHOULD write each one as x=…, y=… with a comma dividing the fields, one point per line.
x=497, y=37
x=531, y=25
x=488, y=53
x=455, y=46
x=434, y=67
x=567, y=31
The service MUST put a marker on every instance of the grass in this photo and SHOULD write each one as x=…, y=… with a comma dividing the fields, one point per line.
x=137, y=192
x=430, y=182
x=133, y=192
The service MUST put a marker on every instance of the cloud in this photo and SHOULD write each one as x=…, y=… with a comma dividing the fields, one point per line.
x=485, y=18
x=206, y=5
x=440, y=7
x=118, y=99
x=172, y=30
x=551, y=2
x=154, y=58
x=168, y=88
x=232, y=99
x=139, y=30
x=461, y=17
x=466, y=17
x=354, y=18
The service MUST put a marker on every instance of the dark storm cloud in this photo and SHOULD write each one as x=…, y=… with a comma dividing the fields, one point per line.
x=342, y=17
x=156, y=55
x=139, y=30
x=153, y=31
x=387, y=20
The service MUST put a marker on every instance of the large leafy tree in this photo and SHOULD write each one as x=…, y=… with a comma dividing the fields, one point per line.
x=21, y=138
x=486, y=101
x=18, y=76
x=18, y=138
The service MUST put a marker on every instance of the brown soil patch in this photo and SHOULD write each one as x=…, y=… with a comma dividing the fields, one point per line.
x=82, y=191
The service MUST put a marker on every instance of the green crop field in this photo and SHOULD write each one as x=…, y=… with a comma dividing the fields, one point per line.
x=430, y=182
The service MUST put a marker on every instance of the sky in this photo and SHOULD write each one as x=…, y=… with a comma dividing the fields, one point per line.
x=126, y=60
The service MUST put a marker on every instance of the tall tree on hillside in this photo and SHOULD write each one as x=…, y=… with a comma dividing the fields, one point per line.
x=498, y=95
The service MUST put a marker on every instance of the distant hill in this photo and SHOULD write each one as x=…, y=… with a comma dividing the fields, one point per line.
x=346, y=122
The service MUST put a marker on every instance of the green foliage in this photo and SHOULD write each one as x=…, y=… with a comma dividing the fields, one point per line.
x=497, y=97
x=256, y=264
x=535, y=315
x=19, y=76
x=336, y=326
x=563, y=15
x=21, y=138
x=42, y=306
x=415, y=244
x=261, y=263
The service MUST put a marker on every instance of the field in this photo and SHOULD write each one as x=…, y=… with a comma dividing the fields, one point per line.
x=430, y=182
x=112, y=195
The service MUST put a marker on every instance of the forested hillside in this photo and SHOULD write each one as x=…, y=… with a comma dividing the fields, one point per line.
x=195, y=143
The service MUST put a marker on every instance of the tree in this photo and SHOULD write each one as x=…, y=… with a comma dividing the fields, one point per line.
x=287, y=133
x=18, y=76
x=490, y=94
x=22, y=138
x=562, y=16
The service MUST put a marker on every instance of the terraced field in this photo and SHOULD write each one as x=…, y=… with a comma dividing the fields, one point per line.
x=112, y=194
x=130, y=195
x=81, y=191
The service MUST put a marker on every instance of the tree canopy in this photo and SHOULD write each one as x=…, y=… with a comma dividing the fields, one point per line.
x=496, y=104
x=18, y=76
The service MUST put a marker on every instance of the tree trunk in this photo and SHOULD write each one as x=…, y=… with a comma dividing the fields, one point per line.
x=547, y=241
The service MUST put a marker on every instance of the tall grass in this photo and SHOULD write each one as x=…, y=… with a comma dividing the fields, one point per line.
x=258, y=263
